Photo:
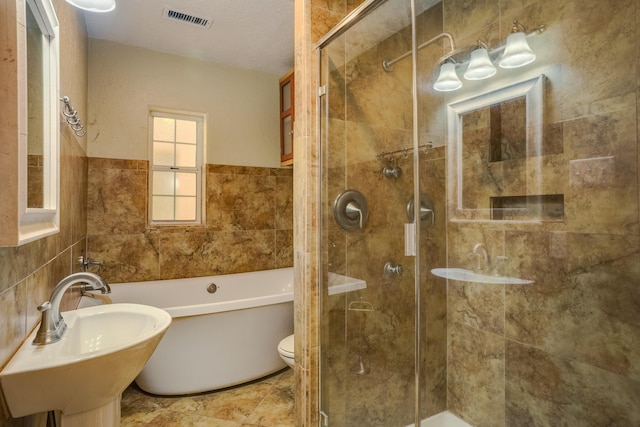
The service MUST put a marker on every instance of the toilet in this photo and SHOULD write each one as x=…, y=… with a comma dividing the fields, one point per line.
x=285, y=349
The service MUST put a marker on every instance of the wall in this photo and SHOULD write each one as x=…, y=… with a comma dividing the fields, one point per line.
x=28, y=273
x=248, y=208
x=125, y=81
x=564, y=349
x=249, y=221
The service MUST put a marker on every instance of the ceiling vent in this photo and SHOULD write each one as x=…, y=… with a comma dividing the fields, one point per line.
x=198, y=21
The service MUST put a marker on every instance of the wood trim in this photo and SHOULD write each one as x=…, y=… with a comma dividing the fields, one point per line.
x=286, y=159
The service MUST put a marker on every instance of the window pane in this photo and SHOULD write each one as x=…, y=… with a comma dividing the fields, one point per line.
x=186, y=131
x=163, y=153
x=186, y=155
x=288, y=140
x=286, y=96
x=175, y=168
x=163, y=183
x=185, y=209
x=186, y=184
x=163, y=129
x=163, y=208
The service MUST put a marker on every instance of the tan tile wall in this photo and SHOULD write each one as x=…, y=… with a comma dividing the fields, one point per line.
x=249, y=222
x=29, y=272
x=557, y=350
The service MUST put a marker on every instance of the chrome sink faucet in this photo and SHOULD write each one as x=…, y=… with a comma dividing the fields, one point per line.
x=53, y=325
x=480, y=251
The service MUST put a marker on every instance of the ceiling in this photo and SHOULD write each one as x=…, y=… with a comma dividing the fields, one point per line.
x=251, y=34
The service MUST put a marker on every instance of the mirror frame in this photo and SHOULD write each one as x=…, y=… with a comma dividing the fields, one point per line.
x=35, y=223
x=532, y=89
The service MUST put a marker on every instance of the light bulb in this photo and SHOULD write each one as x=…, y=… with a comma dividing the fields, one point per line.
x=480, y=66
x=517, y=52
x=447, y=79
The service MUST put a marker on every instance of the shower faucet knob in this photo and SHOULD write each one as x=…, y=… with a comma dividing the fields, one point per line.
x=392, y=269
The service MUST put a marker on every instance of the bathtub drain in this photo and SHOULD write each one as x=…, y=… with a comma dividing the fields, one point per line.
x=212, y=288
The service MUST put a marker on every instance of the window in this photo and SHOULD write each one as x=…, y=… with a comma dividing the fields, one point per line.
x=176, y=168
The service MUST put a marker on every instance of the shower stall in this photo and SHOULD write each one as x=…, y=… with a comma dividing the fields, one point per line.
x=479, y=245
x=381, y=339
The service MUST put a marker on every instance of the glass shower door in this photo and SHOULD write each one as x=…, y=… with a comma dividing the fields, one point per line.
x=368, y=342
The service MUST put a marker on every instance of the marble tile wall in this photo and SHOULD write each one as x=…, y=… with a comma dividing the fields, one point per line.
x=29, y=272
x=543, y=353
x=35, y=170
x=249, y=222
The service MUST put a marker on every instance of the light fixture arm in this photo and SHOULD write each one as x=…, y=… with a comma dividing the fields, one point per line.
x=518, y=27
x=387, y=64
x=481, y=45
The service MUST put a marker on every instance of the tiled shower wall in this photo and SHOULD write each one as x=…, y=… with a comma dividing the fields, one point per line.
x=565, y=349
x=249, y=222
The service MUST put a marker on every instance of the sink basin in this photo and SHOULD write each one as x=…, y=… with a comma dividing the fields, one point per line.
x=102, y=351
x=470, y=276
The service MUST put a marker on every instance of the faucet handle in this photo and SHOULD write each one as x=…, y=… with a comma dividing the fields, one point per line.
x=390, y=268
x=45, y=306
x=50, y=331
x=498, y=268
x=87, y=263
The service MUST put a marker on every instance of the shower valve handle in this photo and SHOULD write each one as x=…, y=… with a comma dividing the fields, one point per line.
x=392, y=269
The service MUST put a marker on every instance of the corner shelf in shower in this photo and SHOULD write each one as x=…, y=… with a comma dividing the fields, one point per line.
x=339, y=284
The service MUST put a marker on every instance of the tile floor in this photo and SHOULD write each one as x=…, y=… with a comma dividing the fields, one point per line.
x=263, y=403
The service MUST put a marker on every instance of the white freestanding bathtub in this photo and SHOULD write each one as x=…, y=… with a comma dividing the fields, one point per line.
x=216, y=339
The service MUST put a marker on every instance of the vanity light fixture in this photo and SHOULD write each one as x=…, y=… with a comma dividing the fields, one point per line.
x=480, y=65
x=517, y=52
x=99, y=6
x=447, y=79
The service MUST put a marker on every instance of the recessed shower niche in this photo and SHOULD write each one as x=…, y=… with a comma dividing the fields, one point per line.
x=496, y=145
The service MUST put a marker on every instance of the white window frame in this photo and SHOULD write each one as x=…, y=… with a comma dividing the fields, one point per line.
x=199, y=169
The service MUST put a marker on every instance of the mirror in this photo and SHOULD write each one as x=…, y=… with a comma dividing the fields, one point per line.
x=38, y=176
x=35, y=111
x=495, y=148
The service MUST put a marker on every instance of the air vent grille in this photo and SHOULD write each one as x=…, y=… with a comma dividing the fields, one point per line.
x=198, y=21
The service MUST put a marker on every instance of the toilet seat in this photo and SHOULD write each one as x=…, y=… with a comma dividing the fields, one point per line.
x=285, y=347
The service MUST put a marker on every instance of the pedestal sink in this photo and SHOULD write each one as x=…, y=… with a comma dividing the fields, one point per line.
x=84, y=374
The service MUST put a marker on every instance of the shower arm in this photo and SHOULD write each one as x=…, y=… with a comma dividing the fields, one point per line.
x=387, y=64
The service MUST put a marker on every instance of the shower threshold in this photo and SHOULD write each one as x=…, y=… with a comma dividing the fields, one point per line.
x=443, y=419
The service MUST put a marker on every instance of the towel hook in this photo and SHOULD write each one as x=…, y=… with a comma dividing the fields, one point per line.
x=71, y=116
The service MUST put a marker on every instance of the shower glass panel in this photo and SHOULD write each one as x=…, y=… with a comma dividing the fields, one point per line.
x=370, y=358
x=520, y=305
